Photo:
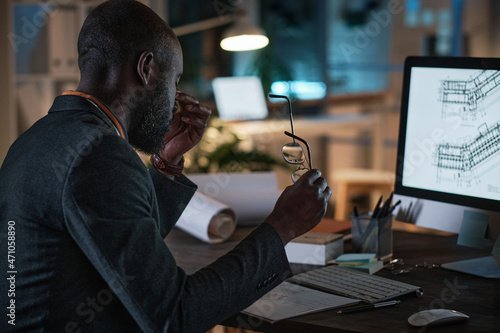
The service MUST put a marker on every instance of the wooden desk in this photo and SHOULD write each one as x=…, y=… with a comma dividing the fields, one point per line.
x=477, y=297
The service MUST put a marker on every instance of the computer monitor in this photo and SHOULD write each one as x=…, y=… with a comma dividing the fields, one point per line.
x=448, y=161
x=239, y=98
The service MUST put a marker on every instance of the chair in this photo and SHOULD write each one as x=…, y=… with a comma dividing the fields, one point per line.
x=349, y=182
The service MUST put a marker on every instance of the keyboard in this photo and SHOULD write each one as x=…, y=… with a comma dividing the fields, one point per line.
x=354, y=284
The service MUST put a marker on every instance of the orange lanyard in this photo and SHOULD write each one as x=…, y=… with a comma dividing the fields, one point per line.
x=103, y=107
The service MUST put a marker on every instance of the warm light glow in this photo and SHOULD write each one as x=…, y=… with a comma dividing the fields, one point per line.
x=244, y=42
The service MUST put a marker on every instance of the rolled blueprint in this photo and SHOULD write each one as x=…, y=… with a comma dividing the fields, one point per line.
x=207, y=219
x=252, y=195
x=251, y=207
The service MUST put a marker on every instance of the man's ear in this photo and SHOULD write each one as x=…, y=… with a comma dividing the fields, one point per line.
x=147, y=69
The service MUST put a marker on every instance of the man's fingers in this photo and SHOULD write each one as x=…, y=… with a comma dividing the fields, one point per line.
x=186, y=99
x=321, y=183
x=314, y=178
x=194, y=121
x=195, y=111
x=310, y=176
x=328, y=192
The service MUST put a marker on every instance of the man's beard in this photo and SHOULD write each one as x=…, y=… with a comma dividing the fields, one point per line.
x=151, y=117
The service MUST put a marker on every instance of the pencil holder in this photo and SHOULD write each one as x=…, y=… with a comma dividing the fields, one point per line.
x=372, y=235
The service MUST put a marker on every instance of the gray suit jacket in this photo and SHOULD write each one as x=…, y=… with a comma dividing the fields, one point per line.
x=88, y=222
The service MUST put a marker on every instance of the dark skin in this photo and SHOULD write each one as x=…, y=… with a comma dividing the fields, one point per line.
x=299, y=208
x=141, y=74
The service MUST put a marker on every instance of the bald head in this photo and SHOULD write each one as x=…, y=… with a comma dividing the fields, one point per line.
x=131, y=60
x=120, y=30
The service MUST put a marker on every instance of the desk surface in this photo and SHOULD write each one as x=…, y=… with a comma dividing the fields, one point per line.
x=477, y=297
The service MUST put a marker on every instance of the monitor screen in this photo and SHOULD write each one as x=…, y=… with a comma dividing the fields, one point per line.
x=239, y=98
x=449, y=141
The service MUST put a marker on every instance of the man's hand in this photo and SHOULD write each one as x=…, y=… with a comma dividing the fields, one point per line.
x=187, y=128
x=301, y=206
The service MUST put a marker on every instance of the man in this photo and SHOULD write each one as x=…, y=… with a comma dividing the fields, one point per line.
x=84, y=220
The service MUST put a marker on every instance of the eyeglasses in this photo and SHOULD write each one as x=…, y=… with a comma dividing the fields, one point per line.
x=292, y=152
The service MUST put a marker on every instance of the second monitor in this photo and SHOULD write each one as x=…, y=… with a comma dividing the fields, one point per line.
x=448, y=165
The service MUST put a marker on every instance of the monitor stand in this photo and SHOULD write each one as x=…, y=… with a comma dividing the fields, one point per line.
x=486, y=267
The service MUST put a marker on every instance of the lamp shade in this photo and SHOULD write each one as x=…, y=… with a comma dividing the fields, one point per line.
x=243, y=36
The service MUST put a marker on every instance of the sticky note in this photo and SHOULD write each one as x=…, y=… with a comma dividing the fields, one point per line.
x=496, y=247
x=351, y=257
x=473, y=229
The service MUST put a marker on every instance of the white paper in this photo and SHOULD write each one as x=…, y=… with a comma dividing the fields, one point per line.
x=251, y=208
x=207, y=219
x=252, y=196
x=314, y=254
x=291, y=300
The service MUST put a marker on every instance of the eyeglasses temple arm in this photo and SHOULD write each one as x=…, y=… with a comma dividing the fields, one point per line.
x=305, y=143
x=289, y=109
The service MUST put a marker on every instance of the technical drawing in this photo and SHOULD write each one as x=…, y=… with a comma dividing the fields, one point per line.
x=467, y=161
x=468, y=98
x=493, y=189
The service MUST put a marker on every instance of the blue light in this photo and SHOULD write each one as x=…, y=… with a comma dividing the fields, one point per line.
x=304, y=90
x=280, y=88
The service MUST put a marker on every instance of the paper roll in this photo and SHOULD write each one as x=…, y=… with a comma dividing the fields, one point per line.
x=251, y=207
x=252, y=196
x=207, y=219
